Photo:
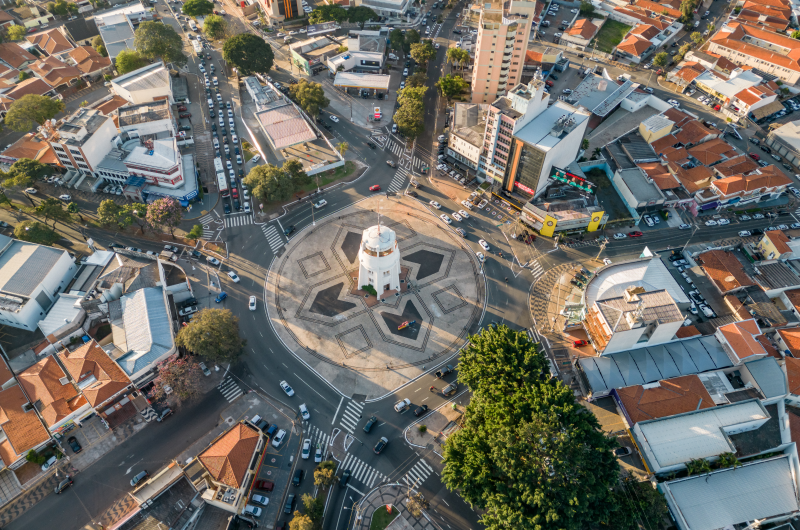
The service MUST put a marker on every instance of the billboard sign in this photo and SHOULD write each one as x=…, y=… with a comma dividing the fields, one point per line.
x=562, y=175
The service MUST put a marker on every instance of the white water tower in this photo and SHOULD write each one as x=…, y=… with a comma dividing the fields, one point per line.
x=379, y=260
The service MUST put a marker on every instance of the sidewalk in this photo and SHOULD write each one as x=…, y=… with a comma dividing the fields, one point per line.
x=395, y=495
x=438, y=423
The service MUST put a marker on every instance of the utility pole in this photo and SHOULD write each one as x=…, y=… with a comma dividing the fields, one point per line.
x=602, y=248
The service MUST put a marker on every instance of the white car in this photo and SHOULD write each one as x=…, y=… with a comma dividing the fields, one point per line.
x=306, y=449
x=437, y=46
x=445, y=218
x=286, y=388
x=233, y=276
x=463, y=214
x=252, y=303
x=30, y=191
x=213, y=261
x=65, y=197
x=620, y=236
x=573, y=11
x=711, y=223
x=481, y=257
x=334, y=119
x=304, y=412
x=260, y=499
x=435, y=205
x=744, y=233
x=484, y=244
x=673, y=103
x=278, y=440
x=466, y=204
x=318, y=455
x=724, y=222
x=744, y=218
x=457, y=217
x=606, y=261
x=251, y=510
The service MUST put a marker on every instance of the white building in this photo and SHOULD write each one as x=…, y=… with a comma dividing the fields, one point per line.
x=386, y=8
x=144, y=85
x=158, y=161
x=82, y=139
x=467, y=132
x=379, y=260
x=150, y=118
x=31, y=276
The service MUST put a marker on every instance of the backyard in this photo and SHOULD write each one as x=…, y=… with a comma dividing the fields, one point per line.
x=610, y=35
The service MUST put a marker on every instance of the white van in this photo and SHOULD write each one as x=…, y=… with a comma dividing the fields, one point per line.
x=400, y=406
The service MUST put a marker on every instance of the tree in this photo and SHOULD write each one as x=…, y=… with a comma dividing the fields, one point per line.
x=301, y=522
x=796, y=34
x=314, y=508
x=683, y=50
x=342, y=147
x=728, y=460
x=327, y=13
x=310, y=96
x=165, y=213
x=422, y=52
x=710, y=27
x=397, y=40
x=248, y=53
x=697, y=466
x=342, y=49
x=108, y=213
x=16, y=33
x=412, y=37
x=269, y=183
x=639, y=504
x=451, y=85
x=59, y=7
x=197, y=8
x=33, y=169
x=360, y=15
x=409, y=118
x=128, y=61
x=297, y=175
x=155, y=40
x=697, y=37
x=687, y=10
x=52, y=208
x=102, y=51
x=74, y=209
x=213, y=335
x=31, y=110
x=417, y=79
x=35, y=232
x=416, y=503
x=215, y=27
x=528, y=453
x=325, y=474
x=457, y=56
x=585, y=144
x=586, y=9
x=195, y=233
x=97, y=41
x=181, y=377
x=134, y=213
x=661, y=59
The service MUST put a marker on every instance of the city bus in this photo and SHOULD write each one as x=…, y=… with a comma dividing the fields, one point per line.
x=222, y=179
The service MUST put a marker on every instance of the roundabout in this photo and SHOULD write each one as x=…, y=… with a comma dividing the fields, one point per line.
x=368, y=332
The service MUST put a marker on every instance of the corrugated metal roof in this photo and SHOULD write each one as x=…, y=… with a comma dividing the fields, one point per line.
x=768, y=376
x=734, y=495
x=147, y=329
x=65, y=309
x=23, y=266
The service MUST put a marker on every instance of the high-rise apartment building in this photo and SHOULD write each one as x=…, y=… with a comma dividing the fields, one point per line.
x=503, y=33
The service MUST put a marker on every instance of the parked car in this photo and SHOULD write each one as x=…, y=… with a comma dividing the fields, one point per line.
x=140, y=476
x=64, y=484
x=73, y=443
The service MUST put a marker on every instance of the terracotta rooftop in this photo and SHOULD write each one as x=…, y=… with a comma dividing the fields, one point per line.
x=88, y=60
x=741, y=337
x=23, y=430
x=52, y=41
x=658, y=8
x=689, y=71
x=751, y=96
x=642, y=16
x=663, y=143
x=693, y=132
x=228, y=459
x=14, y=55
x=691, y=180
x=98, y=377
x=671, y=397
x=764, y=9
x=635, y=45
x=684, y=332
x=43, y=385
x=724, y=269
x=751, y=182
x=677, y=116
x=111, y=105
x=583, y=28
x=646, y=30
x=660, y=175
x=769, y=348
x=791, y=336
x=780, y=240
x=793, y=375
x=734, y=41
x=533, y=57
x=34, y=85
x=712, y=151
x=54, y=71
x=736, y=165
x=29, y=146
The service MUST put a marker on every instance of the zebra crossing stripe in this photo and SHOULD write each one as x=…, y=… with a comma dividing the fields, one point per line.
x=273, y=237
x=230, y=390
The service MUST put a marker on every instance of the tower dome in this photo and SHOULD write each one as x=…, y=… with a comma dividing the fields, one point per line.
x=379, y=260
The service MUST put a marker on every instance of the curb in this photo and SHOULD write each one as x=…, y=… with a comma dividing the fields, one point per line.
x=405, y=432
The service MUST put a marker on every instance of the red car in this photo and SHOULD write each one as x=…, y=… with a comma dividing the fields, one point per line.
x=186, y=115
x=579, y=343
x=635, y=234
x=235, y=193
x=375, y=188
x=754, y=156
x=265, y=485
x=181, y=108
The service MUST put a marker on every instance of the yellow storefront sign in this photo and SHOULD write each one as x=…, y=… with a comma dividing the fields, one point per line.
x=594, y=224
x=548, y=227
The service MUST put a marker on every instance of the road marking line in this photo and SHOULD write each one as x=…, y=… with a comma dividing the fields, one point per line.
x=337, y=410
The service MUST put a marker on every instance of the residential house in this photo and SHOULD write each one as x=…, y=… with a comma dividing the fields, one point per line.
x=56, y=398
x=685, y=73
x=31, y=146
x=52, y=43
x=13, y=56
x=774, y=244
x=33, y=85
x=90, y=63
x=55, y=73
x=739, y=340
x=725, y=271
x=81, y=31
x=736, y=190
x=638, y=43
x=662, y=399
x=31, y=15
x=764, y=51
x=580, y=34
x=20, y=426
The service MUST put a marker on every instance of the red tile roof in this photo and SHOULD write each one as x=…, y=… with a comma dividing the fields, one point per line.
x=43, y=383
x=693, y=132
x=779, y=240
x=712, y=151
x=736, y=165
x=52, y=41
x=725, y=270
x=671, y=397
x=660, y=23
x=741, y=337
x=55, y=72
x=635, y=45
x=781, y=12
x=689, y=71
x=793, y=375
x=34, y=85
x=751, y=182
x=88, y=60
x=228, y=458
x=677, y=116
x=90, y=362
x=755, y=94
x=734, y=41
x=23, y=430
x=29, y=146
x=583, y=28
x=791, y=336
x=645, y=30
x=14, y=55
x=684, y=332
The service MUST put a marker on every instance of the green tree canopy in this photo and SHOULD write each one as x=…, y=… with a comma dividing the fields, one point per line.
x=796, y=34
x=412, y=37
x=32, y=169
x=360, y=15
x=586, y=9
x=410, y=118
x=197, y=8
x=327, y=13
x=165, y=214
x=213, y=335
x=53, y=209
x=638, y=503
x=397, y=40
x=35, y=232
x=314, y=508
x=271, y=183
x=411, y=93
x=451, y=86
x=16, y=33
x=102, y=51
x=661, y=59
x=128, y=61
x=134, y=213
x=687, y=10
x=158, y=41
x=301, y=522
x=248, y=53
x=195, y=233
x=32, y=110
x=310, y=96
x=457, y=56
x=422, y=52
x=417, y=79
x=215, y=27
x=528, y=454
x=108, y=213
x=97, y=41
x=697, y=37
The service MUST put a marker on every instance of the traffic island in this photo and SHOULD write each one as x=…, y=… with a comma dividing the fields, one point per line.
x=366, y=344
x=372, y=512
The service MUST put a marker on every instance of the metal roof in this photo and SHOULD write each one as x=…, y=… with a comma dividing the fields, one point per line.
x=148, y=332
x=651, y=364
x=64, y=310
x=768, y=376
x=23, y=266
x=354, y=80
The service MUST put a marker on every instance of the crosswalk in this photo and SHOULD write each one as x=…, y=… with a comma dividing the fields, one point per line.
x=238, y=220
x=399, y=180
x=351, y=416
x=418, y=162
x=417, y=474
x=230, y=389
x=396, y=149
x=208, y=222
x=361, y=471
x=537, y=269
x=273, y=237
x=317, y=435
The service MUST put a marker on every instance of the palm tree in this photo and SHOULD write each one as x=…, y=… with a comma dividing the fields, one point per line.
x=342, y=147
